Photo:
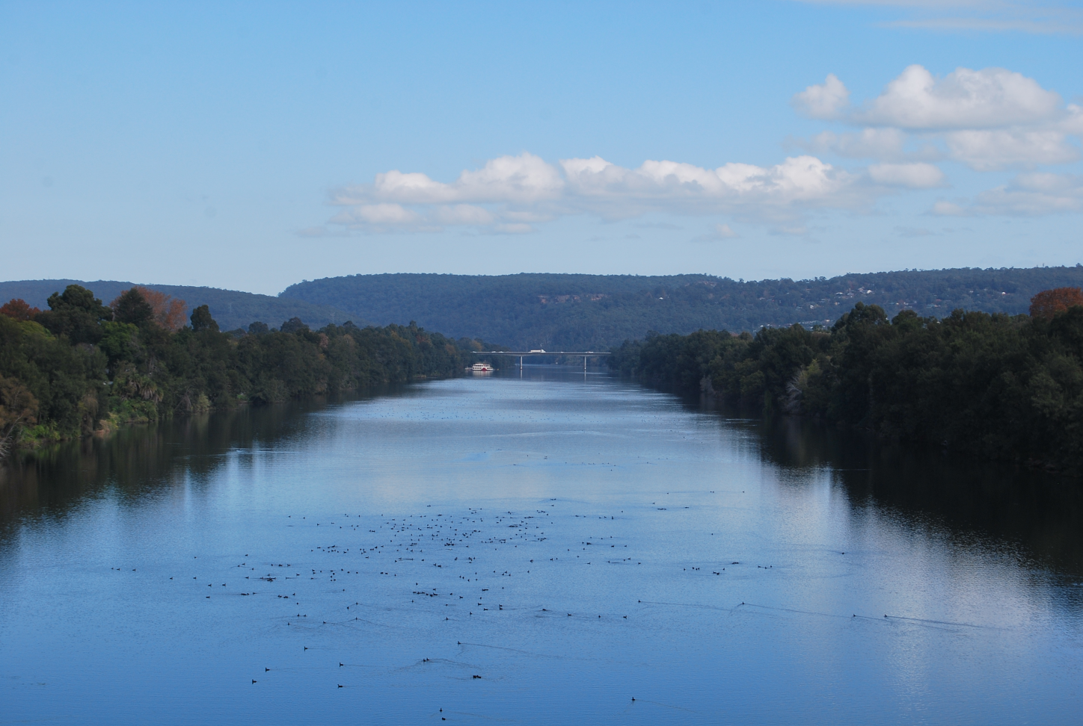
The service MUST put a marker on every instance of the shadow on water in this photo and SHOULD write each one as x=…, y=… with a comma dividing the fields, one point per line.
x=1041, y=513
x=136, y=460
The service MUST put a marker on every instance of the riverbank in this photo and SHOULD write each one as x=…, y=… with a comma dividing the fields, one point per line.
x=83, y=368
x=999, y=387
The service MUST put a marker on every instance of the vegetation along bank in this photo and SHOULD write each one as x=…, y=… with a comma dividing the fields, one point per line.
x=82, y=367
x=996, y=385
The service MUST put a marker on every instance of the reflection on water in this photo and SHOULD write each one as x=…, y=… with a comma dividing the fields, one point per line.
x=136, y=460
x=539, y=548
x=1039, y=515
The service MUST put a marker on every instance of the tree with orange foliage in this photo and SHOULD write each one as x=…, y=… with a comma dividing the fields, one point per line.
x=19, y=309
x=1048, y=303
x=168, y=313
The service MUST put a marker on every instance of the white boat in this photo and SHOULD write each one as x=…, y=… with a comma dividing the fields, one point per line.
x=480, y=368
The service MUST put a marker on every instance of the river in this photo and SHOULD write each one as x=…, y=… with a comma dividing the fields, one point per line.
x=545, y=549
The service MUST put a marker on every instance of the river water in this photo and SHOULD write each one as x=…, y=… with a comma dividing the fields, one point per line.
x=555, y=548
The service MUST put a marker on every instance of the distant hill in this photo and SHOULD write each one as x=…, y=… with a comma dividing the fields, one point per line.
x=231, y=309
x=594, y=312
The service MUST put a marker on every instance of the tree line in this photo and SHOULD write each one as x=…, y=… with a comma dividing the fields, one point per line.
x=996, y=385
x=82, y=367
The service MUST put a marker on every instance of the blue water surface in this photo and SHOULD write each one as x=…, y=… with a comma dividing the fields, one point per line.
x=546, y=549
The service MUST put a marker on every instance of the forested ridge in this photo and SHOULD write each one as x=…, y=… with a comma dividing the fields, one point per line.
x=996, y=385
x=82, y=367
x=595, y=312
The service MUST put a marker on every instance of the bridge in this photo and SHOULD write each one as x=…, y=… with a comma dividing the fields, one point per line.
x=528, y=353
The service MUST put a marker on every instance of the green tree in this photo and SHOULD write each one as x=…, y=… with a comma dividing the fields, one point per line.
x=132, y=307
x=202, y=320
x=76, y=314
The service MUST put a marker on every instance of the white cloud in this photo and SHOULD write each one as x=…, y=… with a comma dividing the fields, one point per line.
x=1030, y=194
x=988, y=119
x=717, y=233
x=948, y=209
x=1073, y=120
x=463, y=214
x=509, y=194
x=393, y=214
x=914, y=176
x=825, y=101
x=523, y=178
x=797, y=180
x=963, y=99
x=382, y=217
x=986, y=150
x=1033, y=194
x=868, y=143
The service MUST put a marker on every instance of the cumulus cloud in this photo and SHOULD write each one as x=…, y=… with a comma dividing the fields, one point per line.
x=914, y=176
x=463, y=214
x=988, y=119
x=987, y=150
x=598, y=184
x=1033, y=194
x=825, y=101
x=523, y=178
x=1030, y=194
x=867, y=143
x=963, y=99
x=511, y=193
x=1073, y=120
x=377, y=214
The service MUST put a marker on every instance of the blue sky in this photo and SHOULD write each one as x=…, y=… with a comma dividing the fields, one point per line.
x=252, y=145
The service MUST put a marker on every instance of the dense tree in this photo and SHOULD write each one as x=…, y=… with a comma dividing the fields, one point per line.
x=132, y=308
x=293, y=325
x=167, y=312
x=1048, y=303
x=202, y=320
x=18, y=408
x=995, y=385
x=85, y=366
x=18, y=309
x=76, y=314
